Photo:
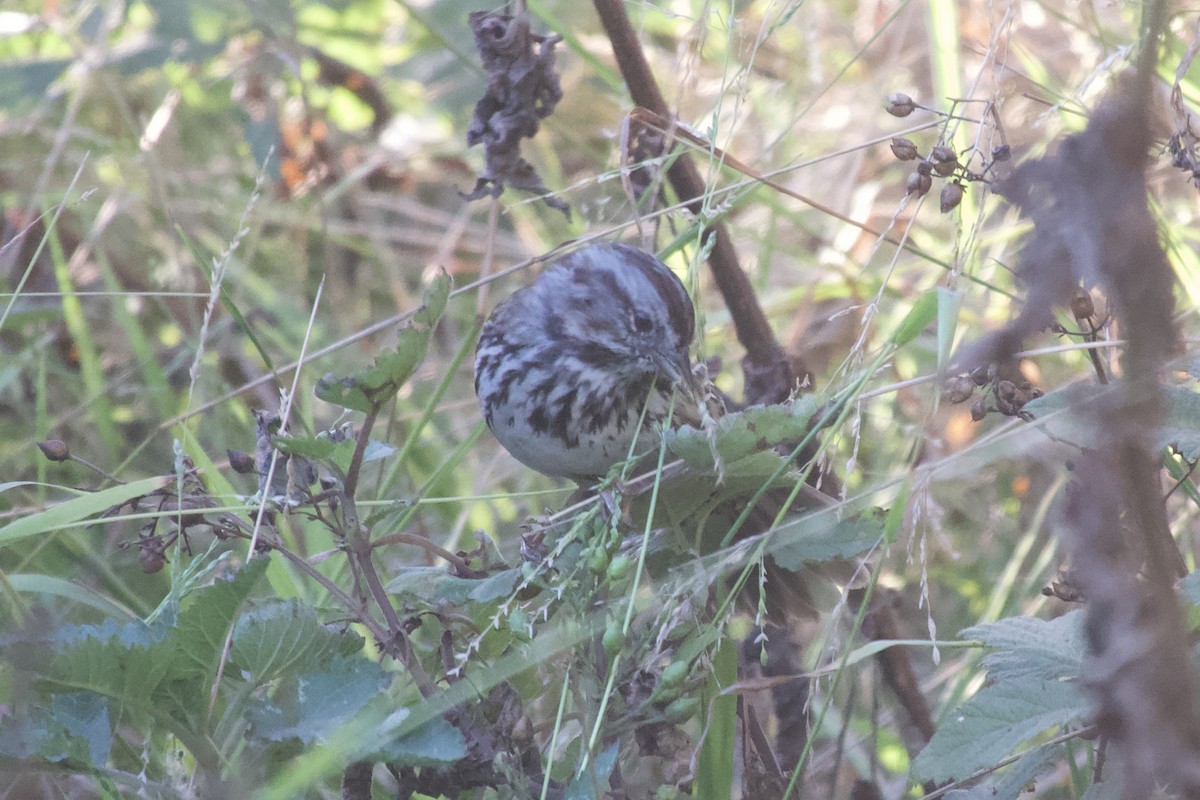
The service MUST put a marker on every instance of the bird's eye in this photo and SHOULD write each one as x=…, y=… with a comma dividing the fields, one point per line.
x=642, y=323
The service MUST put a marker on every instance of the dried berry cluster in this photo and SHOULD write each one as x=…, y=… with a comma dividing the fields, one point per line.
x=1006, y=388
x=942, y=161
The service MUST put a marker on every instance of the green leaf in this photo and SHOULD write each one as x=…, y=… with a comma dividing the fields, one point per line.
x=1180, y=429
x=59, y=587
x=744, y=441
x=434, y=744
x=373, y=387
x=1035, y=673
x=315, y=447
x=314, y=705
x=1028, y=647
x=715, y=763
x=71, y=511
x=990, y=726
x=431, y=586
x=75, y=728
x=917, y=319
x=285, y=636
x=84, y=717
x=822, y=536
x=948, y=304
x=436, y=295
x=124, y=662
x=1012, y=782
x=206, y=615
x=592, y=782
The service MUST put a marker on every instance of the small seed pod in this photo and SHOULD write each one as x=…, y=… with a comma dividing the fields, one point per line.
x=943, y=153
x=958, y=389
x=1081, y=304
x=982, y=374
x=904, y=149
x=952, y=194
x=978, y=410
x=152, y=554
x=1010, y=398
x=55, y=449
x=944, y=169
x=1001, y=153
x=900, y=105
x=919, y=184
x=925, y=166
x=241, y=461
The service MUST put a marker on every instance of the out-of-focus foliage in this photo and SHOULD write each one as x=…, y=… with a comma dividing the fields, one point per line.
x=198, y=195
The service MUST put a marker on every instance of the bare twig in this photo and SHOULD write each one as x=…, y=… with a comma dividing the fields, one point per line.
x=769, y=375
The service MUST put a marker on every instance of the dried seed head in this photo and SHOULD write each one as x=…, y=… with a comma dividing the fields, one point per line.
x=1001, y=153
x=904, y=149
x=919, y=184
x=55, y=449
x=944, y=169
x=900, y=104
x=943, y=153
x=1081, y=304
x=241, y=461
x=982, y=374
x=952, y=194
x=925, y=166
x=152, y=554
x=958, y=389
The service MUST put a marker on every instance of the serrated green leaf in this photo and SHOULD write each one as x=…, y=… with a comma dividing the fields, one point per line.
x=206, y=615
x=434, y=744
x=84, y=716
x=822, y=536
x=123, y=662
x=312, y=706
x=434, y=585
x=1180, y=429
x=1027, y=647
x=284, y=636
x=436, y=295
x=744, y=440
x=1035, y=671
x=1013, y=781
x=990, y=726
x=373, y=387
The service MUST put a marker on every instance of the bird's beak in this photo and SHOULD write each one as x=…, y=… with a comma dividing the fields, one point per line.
x=680, y=373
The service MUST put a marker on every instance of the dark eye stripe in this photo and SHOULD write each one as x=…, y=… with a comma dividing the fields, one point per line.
x=669, y=288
